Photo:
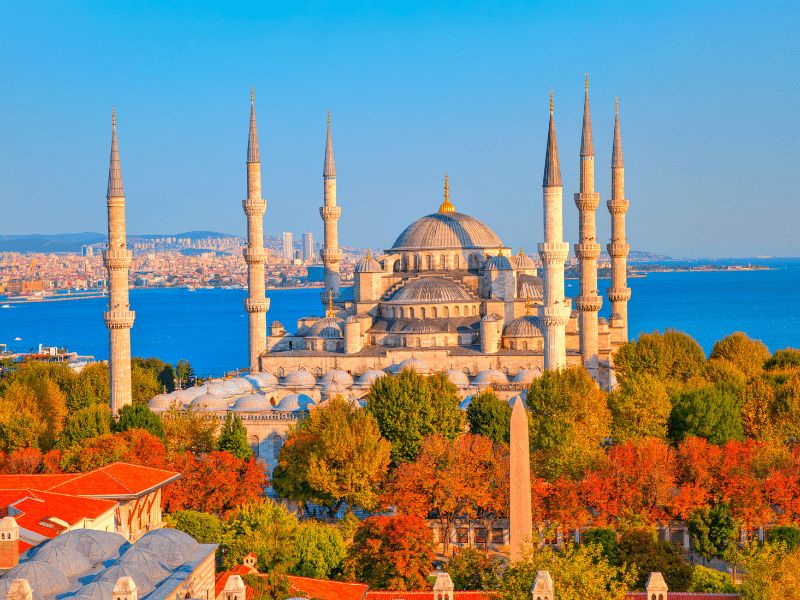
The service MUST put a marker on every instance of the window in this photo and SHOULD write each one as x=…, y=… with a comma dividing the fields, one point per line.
x=422, y=313
x=403, y=263
x=497, y=536
x=416, y=262
x=455, y=311
x=466, y=311
x=481, y=537
x=443, y=262
x=410, y=313
x=405, y=342
x=373, y=340
x=400, y=312
x=419, y=343
x=429, y=261
x=474, y=311
x=433, y=312
x=290, y=345
x=445, y=312
x=524, y=345
x=462, y=535
x=456, y=262
x=277, y=444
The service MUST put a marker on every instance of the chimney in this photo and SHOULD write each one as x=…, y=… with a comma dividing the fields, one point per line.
x=443, y=587
x=20, y=589
x=543, y=587
x=9, y=543
x=234, y=589
x=656, y=587
x=125, y=589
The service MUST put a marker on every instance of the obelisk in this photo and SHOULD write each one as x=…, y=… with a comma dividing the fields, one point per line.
x=520, y=493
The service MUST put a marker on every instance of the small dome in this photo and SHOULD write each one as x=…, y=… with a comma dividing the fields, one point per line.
x=164, y=402
x=500, y=263
x=146, y=562
x=251, y=403
x=615, y=316
x=295, y=403
x=457, y=378
x=42, y=577
x=210, y=403
x=527, y=326
x=172, y=547
x=338, y=376
x=6, y=583
x=112, y=574
x=491, y=318
x=7, y=523
x=351, y=319
x=602, y=321
x=524, y=262
x=421, y=327
x=370, y=377
x=67, y=560
x=97, y=590
x=332, y=388
x=299, y=379
x=93, y=544
x=527, y=376
x=262, y=379
x=368, y=265
x=414, y=364
x=218, y=388
x=491, y=376
x=193, y=392
x=329, y=327
x=276, y=324
x=239, y=385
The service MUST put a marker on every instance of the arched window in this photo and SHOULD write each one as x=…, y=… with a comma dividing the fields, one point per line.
x=445, y=312
x=466, y=311
x=455, y=311
x=443, y=262
x=416, y=262
x=456, y=262
x=396, y=266
x=400, y=312
x=419, y=342
x=410, y=313
x=403, y=263
x=404, y=342
x=474, y=311
x=524, y=345
x=277, y=444
x=290, y=345
x=429, y=262
x=422, y=313
x=470, y=262
x=433, y=312
x=373, y=340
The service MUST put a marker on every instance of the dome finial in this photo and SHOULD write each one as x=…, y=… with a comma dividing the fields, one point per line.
x=587, y=81
x=551, y=102
x=368, y=256
x=329, y=116
x=330, y=303
x=113, y=116
x=252, y=94
x=616, y=104
x=528, y=306
x=521, y=253
x=446, y=206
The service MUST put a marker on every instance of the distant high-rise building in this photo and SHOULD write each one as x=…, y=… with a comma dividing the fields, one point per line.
x=287, y=245
x=308, y=247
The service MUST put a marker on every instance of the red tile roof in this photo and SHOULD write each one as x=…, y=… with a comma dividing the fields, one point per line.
x=222, y=579
x=428, y=595
x=39, y=482
x=327, y=590
x=36, y=506
x=684, y=596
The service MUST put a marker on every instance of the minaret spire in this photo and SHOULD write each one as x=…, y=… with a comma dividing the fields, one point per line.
x=616, y=153
x=619, y=293
x=329, y=169
x=117, y=259
x=555, y=311
x=256, y=304
x=587, y=249
x=330, y=213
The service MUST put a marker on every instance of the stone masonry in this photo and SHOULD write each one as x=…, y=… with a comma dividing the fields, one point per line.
x=521, y=525
x=330, y=213
x=619, y=293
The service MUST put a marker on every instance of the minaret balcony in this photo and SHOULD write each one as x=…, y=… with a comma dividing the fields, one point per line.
x=115, y=201
x=119, y=319
x=330, y=256
x=117, y=260
x=254, y=207
x=254, y=256
x=619, y=294
x=618, y=250
x=553, y=252
x=588, y=201
x=587, y=251
x=555, y=315
x=256, y=305
x=617, y=207
x=588, y=303
x=330, y=213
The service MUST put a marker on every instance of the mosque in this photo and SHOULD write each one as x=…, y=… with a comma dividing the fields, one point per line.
x=448, y=295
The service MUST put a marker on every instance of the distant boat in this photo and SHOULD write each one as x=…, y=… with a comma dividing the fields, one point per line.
x=6, y=306
x=17, y=339
x=190, y=288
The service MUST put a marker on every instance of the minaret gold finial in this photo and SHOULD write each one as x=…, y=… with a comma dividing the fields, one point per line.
x=551, y=102
x=521, y=253
x=329, y=116
x=587, y=81
x=252, y=94
x=528, y=306
x=446, y=206
x=368, y=256
x=113, y=117
x=616, y=104
x=330, y=303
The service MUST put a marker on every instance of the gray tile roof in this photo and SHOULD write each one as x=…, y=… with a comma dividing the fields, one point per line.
x=114, y=170
x=586, y=135
x=552, y=170
x=616, y=153
x=253, y=156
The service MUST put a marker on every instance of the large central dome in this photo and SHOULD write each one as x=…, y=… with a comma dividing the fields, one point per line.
x=444, y=230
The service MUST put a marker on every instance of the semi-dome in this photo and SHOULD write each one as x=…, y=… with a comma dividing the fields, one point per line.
x=491, y=318
x=414, y=364
x=251, y=403
x=526, y=326
x=491, y=376
x=42, y=577
x=93, y=544
x=210, y=402
x=145, y=561
x=368, y=265
x=446, y=230
x=329, y=327
x=295, y=403
x=299, y=379
x=262, y=379
x=530, y=287
x=524, y=262
x=338, y=376
x=67, y=560
x=526, y=376
x=112, y=574
x=431, y=290
x=97, y=590
x=172, y=547
x=370, y=377
x=457, y=378
x=6, y=583
x=421, y=327
x=500, y=263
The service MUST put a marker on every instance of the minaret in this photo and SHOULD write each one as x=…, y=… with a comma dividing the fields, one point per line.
x=619, y=293
x=587, y=249
x=554, y=314
x=117, y=259
x=255, y=304
x=330, y=213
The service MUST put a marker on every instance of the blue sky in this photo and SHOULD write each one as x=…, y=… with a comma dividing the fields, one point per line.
x=708, y=107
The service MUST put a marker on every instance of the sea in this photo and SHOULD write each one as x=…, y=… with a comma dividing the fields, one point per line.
x=208, y=327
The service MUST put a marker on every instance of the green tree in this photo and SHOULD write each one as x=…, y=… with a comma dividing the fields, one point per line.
x=184, y=372
x=21, y=425
x=725, y=375
x=787, y=534
x=788, y=358
x=772, y=572
x=747, y=354
x=88, y=422
x=94, y=385
x=233, y=438
x=139, y=416
x=640, y=547
x=489, y=416
x=606, y=539
x=319, y=551
x=268, y=530
x=203, y=527
x=672, y=356
x=712, y=530
x=640, y=408
x=410, y=407
x=569, y=419
x=335, y=455
x=709, y=581
x=189, y=429
x=471, y=569
x=708, y=412
x=144, y=384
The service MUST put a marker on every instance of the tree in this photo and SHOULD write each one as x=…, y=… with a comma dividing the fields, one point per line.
x=135, y=446
x=489, y=416
x=712, y=530
x=163, y=373
x=709, y=581
x=319, y=551
x=233, y=438
x=706, y=412
x=672, y=357
x=725, y=375
x=639, y=547
x=21, y=425
x=772, y=572
x=606, y=539
x=787, y=534
x=335, y=455
x=139, y=416
x=184, y=372
x=758, y=404
x=266, y=529
x=88, y=422
x=189, y=430
x=391, y=553
x=640, y=408
x=410, y=407
x=788, y=358
x=203, y=527
x=493, y=501
x=747, y=354
x=569, y=419
x=472, y=569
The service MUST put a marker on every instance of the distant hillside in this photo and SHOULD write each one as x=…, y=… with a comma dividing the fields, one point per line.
x=638, y=257
x=45, y=246
x=193, y=235
x=87, y=237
